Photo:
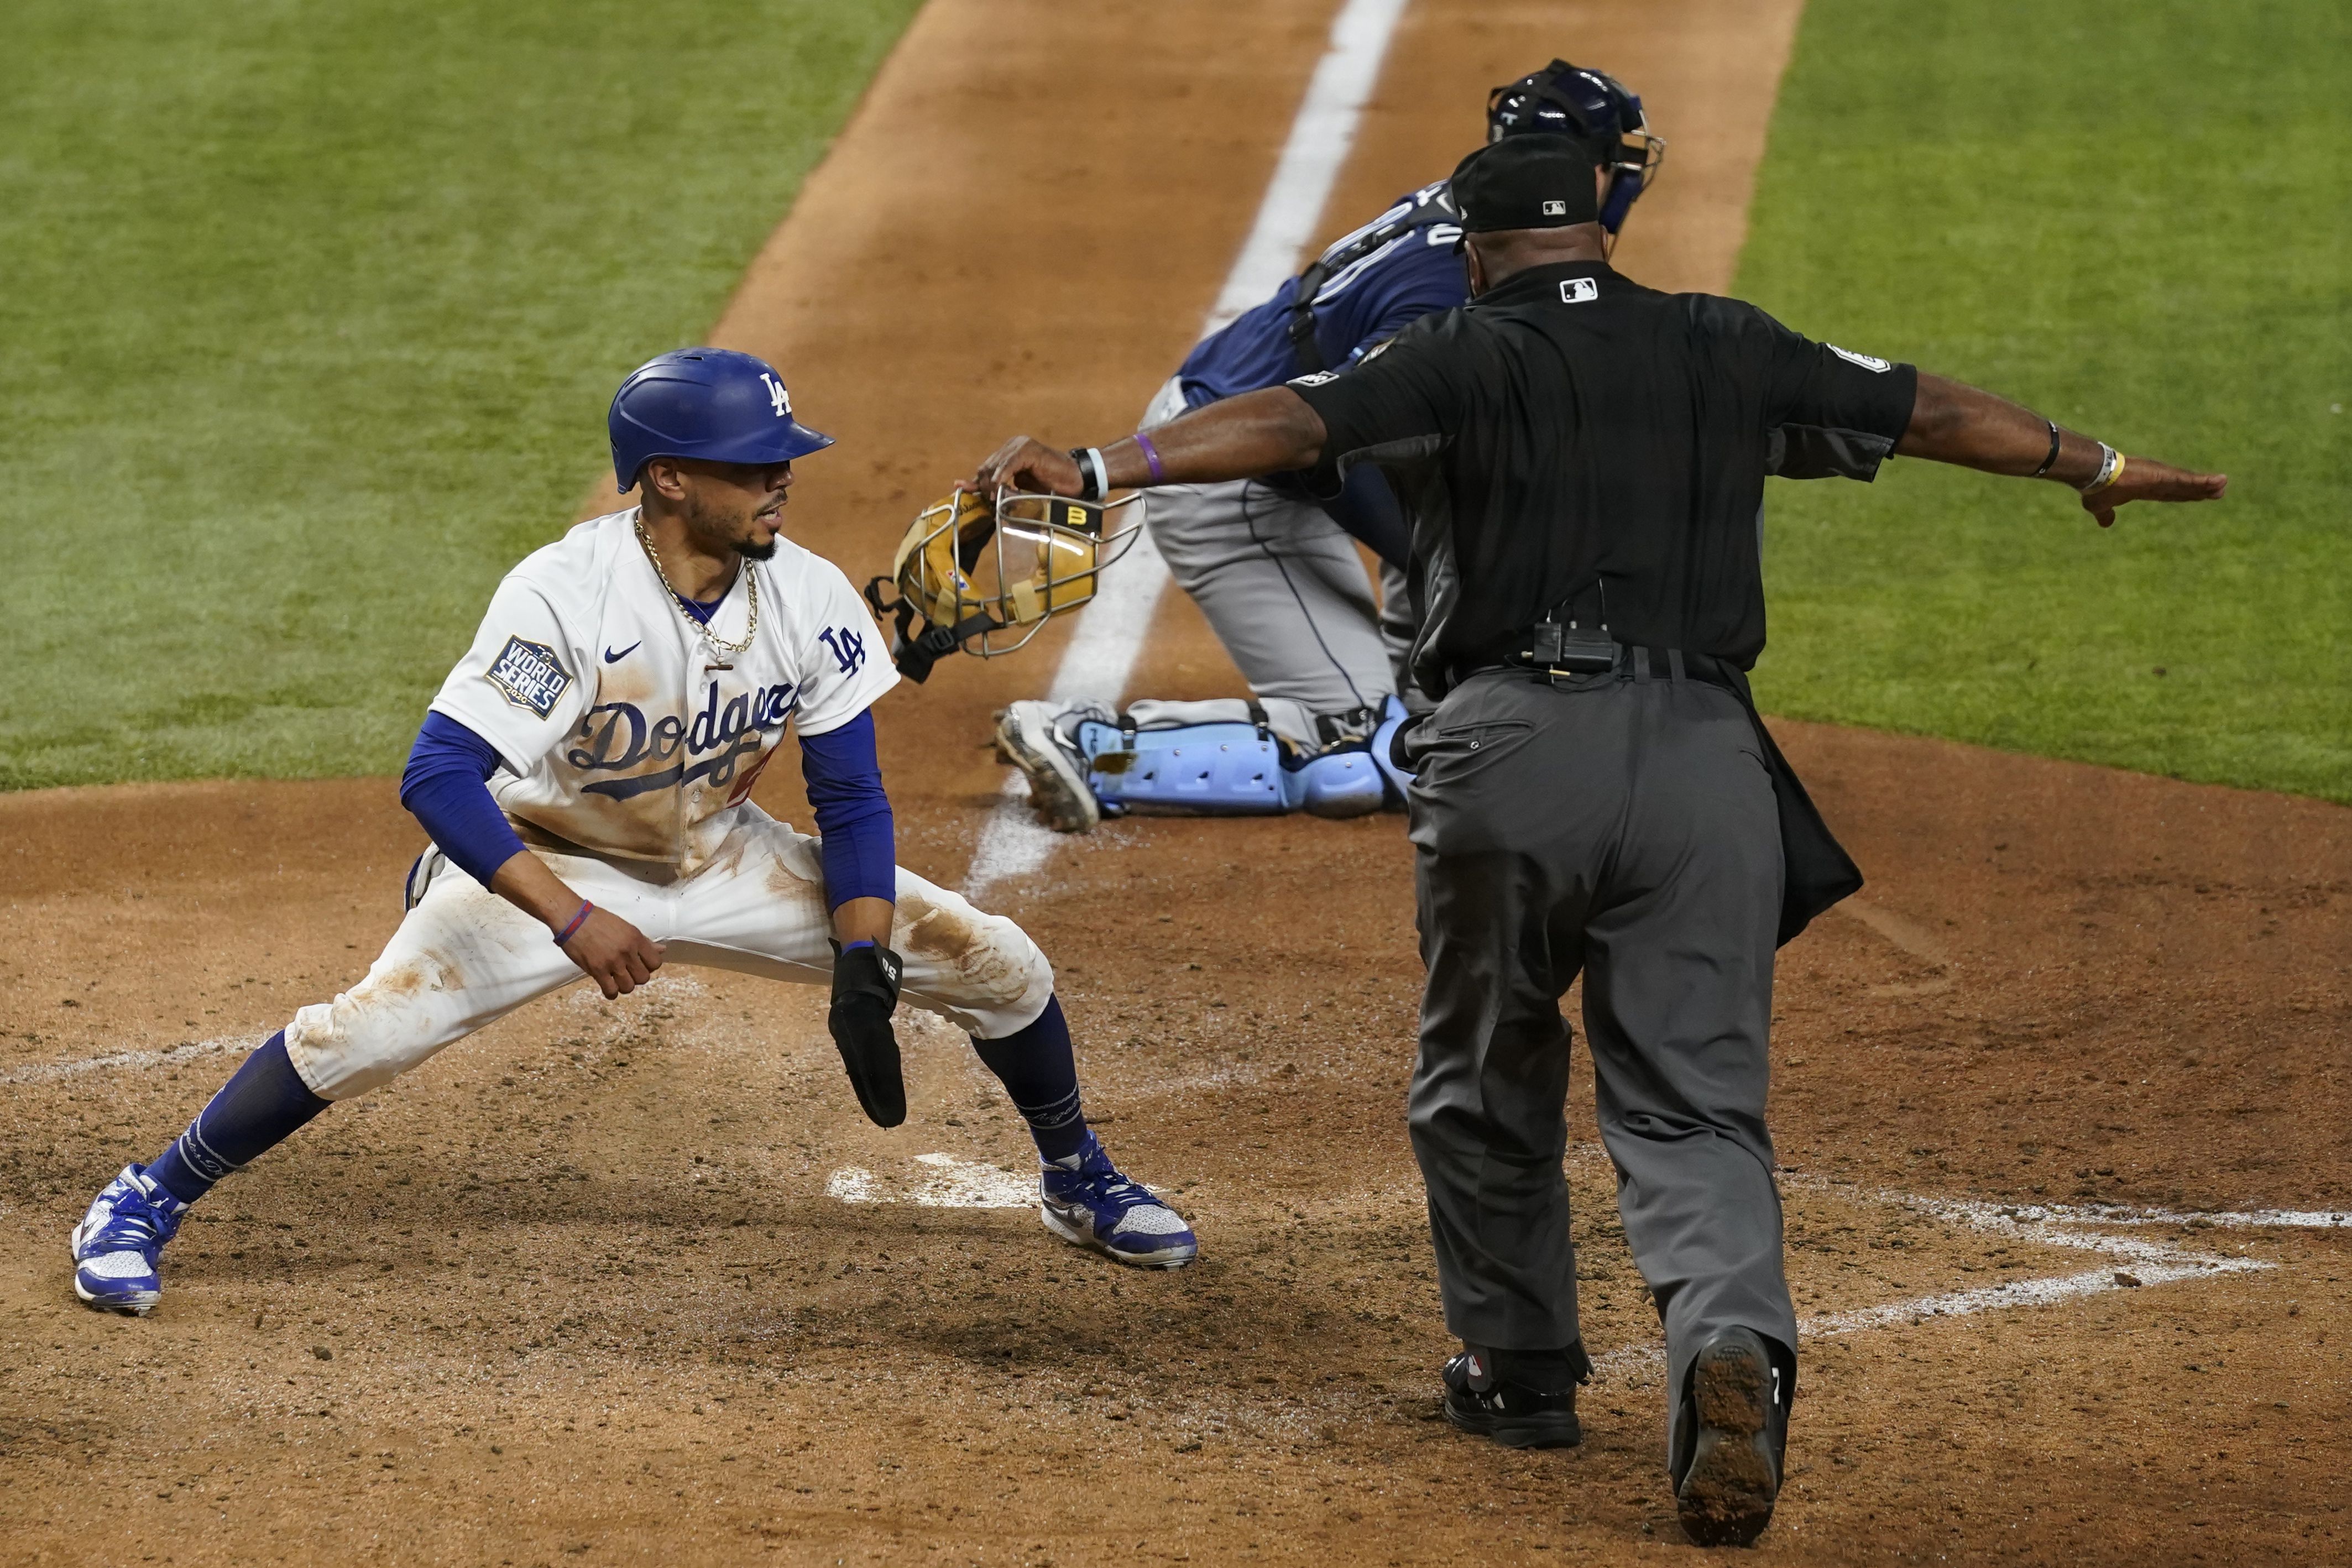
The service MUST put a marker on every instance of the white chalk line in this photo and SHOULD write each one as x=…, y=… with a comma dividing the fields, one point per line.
x=170, y=1056
x=615, y=1026
x=958, y=1184
x=1102, y=655
x=2149, y=1263
x=2242, y=1219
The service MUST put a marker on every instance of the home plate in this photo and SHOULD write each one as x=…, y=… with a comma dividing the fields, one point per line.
x=944, y=1181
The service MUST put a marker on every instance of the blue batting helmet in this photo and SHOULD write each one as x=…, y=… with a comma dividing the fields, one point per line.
x=713, y=403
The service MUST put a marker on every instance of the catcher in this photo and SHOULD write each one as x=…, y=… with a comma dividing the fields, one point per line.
x=1272, y=563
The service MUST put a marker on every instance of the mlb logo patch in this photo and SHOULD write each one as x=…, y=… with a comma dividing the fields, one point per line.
x=1315, y=378
x=1867, y=362
x=1555, y=209
x=529, y=675
x=1579, y=291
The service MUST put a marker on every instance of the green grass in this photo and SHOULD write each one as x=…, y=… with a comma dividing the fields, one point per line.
x=2135, y=216
x=308, y=314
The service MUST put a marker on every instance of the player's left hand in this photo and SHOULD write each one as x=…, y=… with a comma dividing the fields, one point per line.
x=1025, y=463
x=616, y=954
x=864, y=994
x=2145, y=479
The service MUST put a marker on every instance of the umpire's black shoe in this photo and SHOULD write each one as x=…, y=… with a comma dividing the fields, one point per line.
x=1734, y=1438
x=1512, y=1413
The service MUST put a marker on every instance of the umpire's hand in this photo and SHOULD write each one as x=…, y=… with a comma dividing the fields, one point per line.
x=1025, y=463
x=864, y=994
x=2145, y=479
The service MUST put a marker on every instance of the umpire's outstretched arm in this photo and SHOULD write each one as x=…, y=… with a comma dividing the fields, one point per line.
x=1955, y=423
x=1274, y=430
x=1241, y=437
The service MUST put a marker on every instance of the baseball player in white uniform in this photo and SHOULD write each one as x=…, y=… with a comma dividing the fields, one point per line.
x=585, y=773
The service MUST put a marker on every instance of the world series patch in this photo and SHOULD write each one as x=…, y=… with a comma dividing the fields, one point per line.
x=530, y=675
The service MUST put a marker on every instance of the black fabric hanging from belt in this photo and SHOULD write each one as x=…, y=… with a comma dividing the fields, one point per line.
x=1815, y=868
x=1816, y=871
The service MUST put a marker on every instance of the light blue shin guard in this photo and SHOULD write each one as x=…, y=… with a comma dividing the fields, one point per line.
x=1222, y=770
x=1200, y=770
x=1394, y=717
x=1341, y=784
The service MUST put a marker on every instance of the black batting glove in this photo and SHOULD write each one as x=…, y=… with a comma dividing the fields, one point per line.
x=864, y=994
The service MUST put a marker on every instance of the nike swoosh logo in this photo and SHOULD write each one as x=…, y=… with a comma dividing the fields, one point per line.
x=611, y=658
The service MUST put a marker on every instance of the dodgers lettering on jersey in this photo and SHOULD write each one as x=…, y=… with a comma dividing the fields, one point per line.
x=621, y=730
x=1364, y=303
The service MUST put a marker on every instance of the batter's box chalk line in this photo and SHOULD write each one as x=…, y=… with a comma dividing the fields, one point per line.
x=616, y=1021
x=944, y=1182
x=110, y=1062
x=2133, y=1261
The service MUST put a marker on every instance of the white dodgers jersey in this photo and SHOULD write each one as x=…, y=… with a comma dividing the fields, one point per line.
x=621, y=730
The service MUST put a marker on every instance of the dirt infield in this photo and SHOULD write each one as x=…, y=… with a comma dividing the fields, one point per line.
x=2063, y=1094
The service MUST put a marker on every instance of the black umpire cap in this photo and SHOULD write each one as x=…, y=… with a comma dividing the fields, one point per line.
x=1526, y=182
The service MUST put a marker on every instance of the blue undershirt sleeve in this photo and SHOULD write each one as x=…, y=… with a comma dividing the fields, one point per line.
x=853, y=815
x=444, y=787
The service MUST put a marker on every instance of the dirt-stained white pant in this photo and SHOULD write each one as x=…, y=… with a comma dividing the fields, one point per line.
x=464, y=957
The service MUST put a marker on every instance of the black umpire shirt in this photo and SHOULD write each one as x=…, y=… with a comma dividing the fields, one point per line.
x=1570, y=441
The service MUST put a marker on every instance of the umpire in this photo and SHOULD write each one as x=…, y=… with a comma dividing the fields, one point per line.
x=1583, y=460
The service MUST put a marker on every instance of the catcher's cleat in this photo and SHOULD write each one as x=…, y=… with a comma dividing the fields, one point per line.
x=116, y=1245
x=1513, y=1415
x=1735, y=1416
x=1026, y=732
x=1086, y=1202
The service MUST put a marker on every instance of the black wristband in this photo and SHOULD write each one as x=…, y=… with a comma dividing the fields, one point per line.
x=2050, y=461
x=1091, y=472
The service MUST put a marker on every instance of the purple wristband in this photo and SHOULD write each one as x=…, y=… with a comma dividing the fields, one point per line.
x=577, y=922
x=1151, y=458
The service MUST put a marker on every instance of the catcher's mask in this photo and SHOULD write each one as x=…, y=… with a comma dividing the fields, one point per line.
x=983, y=575
x=1599, y=111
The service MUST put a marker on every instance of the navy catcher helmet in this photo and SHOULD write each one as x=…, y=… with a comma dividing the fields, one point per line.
x=1596, y=110
x=713, y=403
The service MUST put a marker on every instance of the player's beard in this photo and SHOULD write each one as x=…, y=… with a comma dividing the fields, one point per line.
x=774, y=520
x=711, y=525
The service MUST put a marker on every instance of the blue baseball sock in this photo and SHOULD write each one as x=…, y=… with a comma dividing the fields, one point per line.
x=262, y=1105
x=1039, y=1071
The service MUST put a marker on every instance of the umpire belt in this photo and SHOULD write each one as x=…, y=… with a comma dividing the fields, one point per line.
x=1816, y=871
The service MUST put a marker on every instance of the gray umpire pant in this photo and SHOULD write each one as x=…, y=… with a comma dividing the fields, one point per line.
x=1624, y=827
x=1280, y=584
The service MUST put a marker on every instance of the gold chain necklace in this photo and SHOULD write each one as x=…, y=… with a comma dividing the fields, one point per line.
x=751, y=587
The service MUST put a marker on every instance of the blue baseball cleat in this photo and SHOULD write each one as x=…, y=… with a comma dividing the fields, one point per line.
x=116, y=1244
x=1086, y=1202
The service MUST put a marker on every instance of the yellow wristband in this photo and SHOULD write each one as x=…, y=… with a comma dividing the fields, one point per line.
x=2111, y=468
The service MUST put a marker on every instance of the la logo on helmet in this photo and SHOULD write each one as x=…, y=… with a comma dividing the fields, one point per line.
x=776, y=398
